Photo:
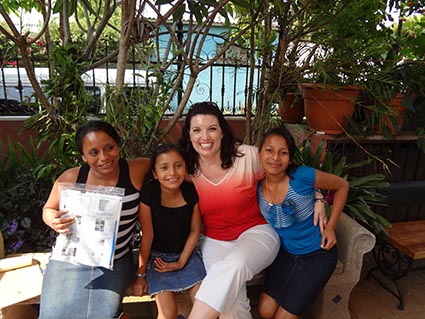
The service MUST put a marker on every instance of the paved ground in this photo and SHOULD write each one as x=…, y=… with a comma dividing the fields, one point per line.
x=368, y=300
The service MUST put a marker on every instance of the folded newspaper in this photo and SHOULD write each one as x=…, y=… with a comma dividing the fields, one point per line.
x=96, y=211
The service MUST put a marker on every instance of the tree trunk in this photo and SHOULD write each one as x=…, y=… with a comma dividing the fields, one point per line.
x=127, y=23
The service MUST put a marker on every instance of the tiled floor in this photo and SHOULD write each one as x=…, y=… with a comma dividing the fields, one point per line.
x=369, y=300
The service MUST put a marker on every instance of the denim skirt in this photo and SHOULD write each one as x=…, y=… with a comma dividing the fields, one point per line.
x=79, y=291
x=294, y=281
x=175, y=281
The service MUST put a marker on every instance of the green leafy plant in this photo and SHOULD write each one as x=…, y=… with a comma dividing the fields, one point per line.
x=397, y=70
x=23, y=192
x=363, y=194
x=136, y=112
x=72, y=103
x=412, y=75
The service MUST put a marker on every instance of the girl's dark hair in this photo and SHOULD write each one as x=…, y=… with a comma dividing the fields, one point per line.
x=290, y=141
x=228, y=142
x=165, y=148
x=94, y=126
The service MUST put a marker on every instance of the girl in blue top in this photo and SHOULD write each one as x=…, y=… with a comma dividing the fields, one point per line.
x=307, y=257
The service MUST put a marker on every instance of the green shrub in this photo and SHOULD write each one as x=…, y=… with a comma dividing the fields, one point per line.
x=363, y=195
x=23, y=192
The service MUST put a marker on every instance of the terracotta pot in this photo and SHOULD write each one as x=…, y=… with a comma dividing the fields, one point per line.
x=328, y=109
x=399, y=117
x=291, y=113
x=384, y=120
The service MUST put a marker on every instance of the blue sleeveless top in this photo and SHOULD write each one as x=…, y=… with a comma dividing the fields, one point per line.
x=293, y=218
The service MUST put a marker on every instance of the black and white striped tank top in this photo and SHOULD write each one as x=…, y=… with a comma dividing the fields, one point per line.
x=130, y=207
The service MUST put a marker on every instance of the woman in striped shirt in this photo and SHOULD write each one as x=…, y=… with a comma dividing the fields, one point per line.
x=79, y=291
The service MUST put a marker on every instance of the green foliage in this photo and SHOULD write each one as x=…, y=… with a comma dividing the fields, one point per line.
x=23, y=192
x=412, y=37
x=353, y=38
x=71, y=105
x=135, y=114
x=412, y=76
x=66, y=87
x=363, y=194
x=7, y=51
x=199, y=9
x=14, y=6
x=58, y=6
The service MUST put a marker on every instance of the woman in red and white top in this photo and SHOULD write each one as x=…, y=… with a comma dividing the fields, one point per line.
x=238, y=242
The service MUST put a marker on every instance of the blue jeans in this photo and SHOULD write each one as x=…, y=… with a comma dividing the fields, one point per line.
x=82, y=292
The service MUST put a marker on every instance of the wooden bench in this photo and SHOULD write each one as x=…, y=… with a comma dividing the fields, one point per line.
x=354, y=241
x=26, y=283
x=396, y=254
x=409, y=238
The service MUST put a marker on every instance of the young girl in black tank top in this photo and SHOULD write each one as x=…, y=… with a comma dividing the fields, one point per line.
x=170, y=219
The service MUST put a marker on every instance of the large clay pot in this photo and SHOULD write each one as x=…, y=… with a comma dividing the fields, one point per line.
x=399, y=117
x=291, y=113
x=385, y=122
x=328, y=109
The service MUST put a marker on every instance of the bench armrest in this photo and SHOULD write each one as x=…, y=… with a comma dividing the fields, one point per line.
x=354, y=241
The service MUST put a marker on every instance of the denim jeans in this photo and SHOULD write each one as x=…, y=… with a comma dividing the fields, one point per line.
x=81, y=292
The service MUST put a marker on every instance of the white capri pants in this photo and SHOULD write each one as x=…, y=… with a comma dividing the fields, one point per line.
x=230, y=264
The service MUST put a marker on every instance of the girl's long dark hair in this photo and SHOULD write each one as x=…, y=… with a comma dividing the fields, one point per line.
x=228, y=142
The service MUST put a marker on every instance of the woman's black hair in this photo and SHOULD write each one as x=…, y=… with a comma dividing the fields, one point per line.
x=94, y=126
x=165, y=148
x=290, y=141
x=228, y=142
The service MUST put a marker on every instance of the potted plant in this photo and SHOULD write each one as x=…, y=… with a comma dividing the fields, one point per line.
x=381, y=106
x=339, y=67
x=393, y=93
x=412, y=77
x=328, y=108
x=395, y=82
x=291, y=107
x=409, y=51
